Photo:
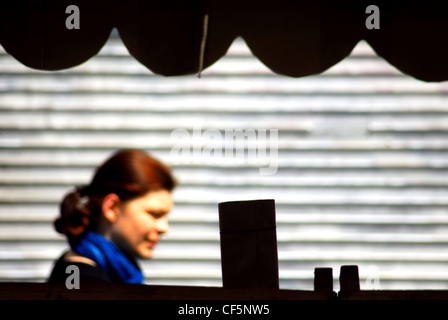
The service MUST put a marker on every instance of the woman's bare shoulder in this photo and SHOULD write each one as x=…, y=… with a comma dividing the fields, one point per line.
x=74, y=257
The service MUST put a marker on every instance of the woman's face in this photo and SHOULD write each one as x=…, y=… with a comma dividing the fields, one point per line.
x=140, y=222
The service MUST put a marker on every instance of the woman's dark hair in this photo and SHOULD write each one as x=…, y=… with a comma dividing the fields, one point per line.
x=128, y=173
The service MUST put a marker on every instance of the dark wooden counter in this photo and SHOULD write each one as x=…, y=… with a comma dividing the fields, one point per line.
x=46, y=291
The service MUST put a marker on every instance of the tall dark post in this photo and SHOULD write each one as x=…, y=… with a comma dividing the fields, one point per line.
x=248, y=244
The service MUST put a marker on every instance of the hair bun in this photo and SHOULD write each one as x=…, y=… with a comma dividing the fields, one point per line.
x=74, y=215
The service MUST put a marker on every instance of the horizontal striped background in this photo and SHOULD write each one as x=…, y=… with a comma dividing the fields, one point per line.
x=362, y=162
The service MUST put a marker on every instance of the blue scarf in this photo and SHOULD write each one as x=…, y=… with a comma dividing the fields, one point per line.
x=109, y=257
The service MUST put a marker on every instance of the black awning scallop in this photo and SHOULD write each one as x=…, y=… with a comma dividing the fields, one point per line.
x=35, y=33
x=169, y=37
x=298, y=38
x=413, y=37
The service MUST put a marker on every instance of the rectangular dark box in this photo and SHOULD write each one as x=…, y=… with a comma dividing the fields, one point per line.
x=249, y=244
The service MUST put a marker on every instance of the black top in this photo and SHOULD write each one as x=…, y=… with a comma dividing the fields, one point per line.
x=87, y=272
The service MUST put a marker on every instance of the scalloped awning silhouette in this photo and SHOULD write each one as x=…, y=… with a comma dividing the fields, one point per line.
x=177, y=37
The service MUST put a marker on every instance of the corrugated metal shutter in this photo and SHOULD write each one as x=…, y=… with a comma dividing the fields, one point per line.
x=362, y=162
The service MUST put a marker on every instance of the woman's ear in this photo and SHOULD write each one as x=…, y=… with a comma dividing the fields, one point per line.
x=111, y=207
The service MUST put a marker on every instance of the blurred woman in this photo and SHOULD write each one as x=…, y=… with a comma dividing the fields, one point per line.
x=119, y=217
